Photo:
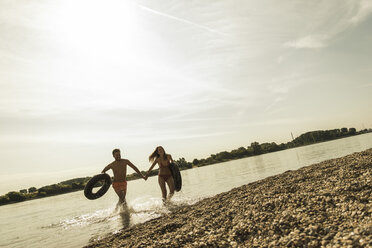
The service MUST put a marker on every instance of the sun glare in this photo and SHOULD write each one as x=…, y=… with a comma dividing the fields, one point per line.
x=104, y=50
x=102, y=28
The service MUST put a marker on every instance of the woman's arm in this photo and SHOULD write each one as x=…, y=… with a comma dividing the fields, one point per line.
x=170, y=158
x=151, y=167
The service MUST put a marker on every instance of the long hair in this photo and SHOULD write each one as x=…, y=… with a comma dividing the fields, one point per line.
x=156, y=155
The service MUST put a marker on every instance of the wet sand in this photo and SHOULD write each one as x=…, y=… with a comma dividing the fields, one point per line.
x=327, y=204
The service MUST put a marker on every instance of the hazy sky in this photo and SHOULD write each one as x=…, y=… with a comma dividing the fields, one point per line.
x=81, y=77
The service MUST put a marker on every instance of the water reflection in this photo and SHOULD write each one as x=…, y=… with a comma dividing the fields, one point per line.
x=258, y=163
x=124, y=214
x=298, y=158
x=125, y=217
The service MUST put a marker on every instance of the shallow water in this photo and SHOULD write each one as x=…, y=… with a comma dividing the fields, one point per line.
x=70, y=220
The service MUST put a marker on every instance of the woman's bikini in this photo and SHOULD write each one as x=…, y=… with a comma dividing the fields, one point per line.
x=165, y=177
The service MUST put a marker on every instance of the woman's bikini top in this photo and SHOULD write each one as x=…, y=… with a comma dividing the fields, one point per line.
x=161, y=165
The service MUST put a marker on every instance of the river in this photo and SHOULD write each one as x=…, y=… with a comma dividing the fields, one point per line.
x=70, y=220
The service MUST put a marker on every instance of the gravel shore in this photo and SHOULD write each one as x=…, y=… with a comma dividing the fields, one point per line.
x=328, y=204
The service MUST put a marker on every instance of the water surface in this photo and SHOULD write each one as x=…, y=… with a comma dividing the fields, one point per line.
x=70, y=220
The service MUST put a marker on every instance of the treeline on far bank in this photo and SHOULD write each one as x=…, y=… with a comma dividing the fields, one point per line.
x=256, y=148
x=242, y=152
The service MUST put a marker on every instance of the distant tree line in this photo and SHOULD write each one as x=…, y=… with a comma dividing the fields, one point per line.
x=256, y=148
x=242, y=152
x=49, y=190
x=320, y=136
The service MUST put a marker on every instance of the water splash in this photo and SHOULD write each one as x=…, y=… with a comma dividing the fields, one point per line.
x=103, y=215
x=138, y=210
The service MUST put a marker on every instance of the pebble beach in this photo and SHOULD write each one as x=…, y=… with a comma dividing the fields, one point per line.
x=328, y=204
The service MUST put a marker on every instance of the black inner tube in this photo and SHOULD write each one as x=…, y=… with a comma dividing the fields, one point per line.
x=176, y=176
x=88, y=190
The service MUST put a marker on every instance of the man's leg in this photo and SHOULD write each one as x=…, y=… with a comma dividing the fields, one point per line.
x=121, y=192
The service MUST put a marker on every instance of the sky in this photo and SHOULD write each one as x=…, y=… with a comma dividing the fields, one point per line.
x=79, y=78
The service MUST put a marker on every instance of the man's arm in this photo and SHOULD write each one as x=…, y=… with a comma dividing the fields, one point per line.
x=106, y=168
x=136, y=169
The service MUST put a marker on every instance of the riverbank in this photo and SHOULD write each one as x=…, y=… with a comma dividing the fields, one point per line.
x=325, y=204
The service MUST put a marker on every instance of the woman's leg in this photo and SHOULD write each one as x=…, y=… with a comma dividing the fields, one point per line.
x=170, y=183
x=162, y=187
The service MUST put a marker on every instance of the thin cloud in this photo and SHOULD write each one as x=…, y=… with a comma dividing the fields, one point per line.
x=276, y=101
x=182, y=20
x=282, y=121
x=193, y=136
x=328, y=25
x=309, y=41
x=365, y=9
x=182, y=134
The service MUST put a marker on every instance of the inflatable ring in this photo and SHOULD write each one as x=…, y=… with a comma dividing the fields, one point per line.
x=175, y=171
x=88, y=190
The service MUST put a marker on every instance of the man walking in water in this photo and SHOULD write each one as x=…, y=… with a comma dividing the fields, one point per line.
x=119, y=168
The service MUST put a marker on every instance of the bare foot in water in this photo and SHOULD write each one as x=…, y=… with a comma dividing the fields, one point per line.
x=121, y=206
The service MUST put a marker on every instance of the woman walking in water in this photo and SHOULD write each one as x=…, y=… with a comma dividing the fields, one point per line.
x=160, y=157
